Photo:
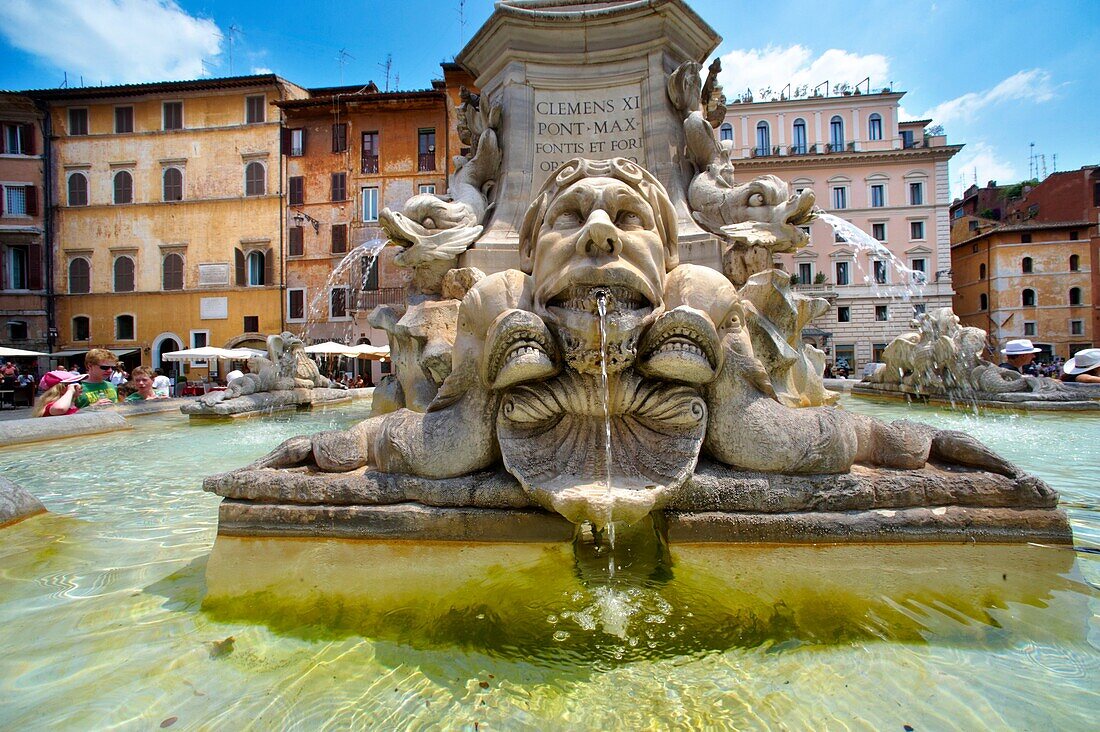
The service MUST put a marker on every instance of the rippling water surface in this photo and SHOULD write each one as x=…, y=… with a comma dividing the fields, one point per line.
x=118, y=608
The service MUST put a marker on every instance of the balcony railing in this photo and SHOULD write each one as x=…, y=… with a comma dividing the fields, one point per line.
x=817, y=289
x=426, y=162
x=370, y=163
x=365, y=300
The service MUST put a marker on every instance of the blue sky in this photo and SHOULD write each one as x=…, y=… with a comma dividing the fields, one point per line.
x=996, y=75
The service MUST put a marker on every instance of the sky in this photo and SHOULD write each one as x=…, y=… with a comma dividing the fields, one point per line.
x=997, y=75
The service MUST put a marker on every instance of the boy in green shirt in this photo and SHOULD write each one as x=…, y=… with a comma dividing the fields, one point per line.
x=98, y=389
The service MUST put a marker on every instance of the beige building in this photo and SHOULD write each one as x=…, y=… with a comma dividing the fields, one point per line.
x=885, y=176
x=168, y=214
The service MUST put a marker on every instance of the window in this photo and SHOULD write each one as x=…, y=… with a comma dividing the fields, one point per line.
x=171, y=277
x=340, y=137
x=370, y=204
x=907, y=139
x=919, y=275
x=1076, y=327
x=82, y=328
x=983, y=301
x=15, y=200
x=916, y=229
x=338, y=303
x=173, y=184
x=124, y=119
x=172, y=115
x=725, y=132
x=920, y=308
x=80, y=276
x=339, y=238
x=916, y=193
x=874, y=127
x=297, y=142
x=763, y=138
x=1075, y=296
x=256, y=269
x=255, y=179
x=878, y=195
x=844, y=314
x=843, y=274
x=837, y=238
x=124, y=327
x=18, y=268
x=370, y=273
x=1074, y=263
x=124, y=274
x=370, y=152
x=840, y=197
x=879, y=231
x=255, y=109
x=881, y=272
x=1073, y=236
x=78, y=121
x=799, y=137
x=805, y=273
x=426, y=150
x=296, y=245
x=1029, y=328
x=297, y=190
x=836, y=133
x=251, y=324
x=1026, y=265
x=18, y=139
x=1025, y=238
x=296, y=304
x=339, y=186
x=17, y=330
x=1028, y=298
x=882, y=313
x=981, y=271
x=124, y=187
x=426, y=188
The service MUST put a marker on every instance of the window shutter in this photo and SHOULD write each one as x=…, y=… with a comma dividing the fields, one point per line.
x=28, y=140
x=269, y=267
x=3, y=200
x=34, y=267
x=296, y=243
x=285, y=141
x=32, y=200
x=238, y=260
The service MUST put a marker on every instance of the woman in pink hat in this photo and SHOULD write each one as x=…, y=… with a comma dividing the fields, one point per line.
x=59, y=392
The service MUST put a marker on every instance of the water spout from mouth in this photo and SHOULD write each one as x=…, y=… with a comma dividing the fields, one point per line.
x=601, y=304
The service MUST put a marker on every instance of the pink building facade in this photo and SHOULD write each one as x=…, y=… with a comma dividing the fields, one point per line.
x=887, y=177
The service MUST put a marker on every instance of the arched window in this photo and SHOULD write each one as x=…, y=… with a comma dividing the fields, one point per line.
x=1075, y=296
x=1074, y=263
x=124, y=187
x=763, y=138
x=1028, y=298
x=172, y=272
x=80, y=276
x=798, y=138
x=124, y=327
x=725, y=132
x=983, y=301
x=874, y=127
x=255, y=179
x=1026, y=265
x=836, y=133
x=124, y=274
x=78, y=189
x=82, y=328
x=981, y=271
x=256, y=269
x=173, y=184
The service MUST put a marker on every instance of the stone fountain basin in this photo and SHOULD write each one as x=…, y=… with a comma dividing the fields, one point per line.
x=717, y=504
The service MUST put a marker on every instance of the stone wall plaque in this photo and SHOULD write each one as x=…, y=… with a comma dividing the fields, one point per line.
x=595, y=123
x=213, y=274
x=214, y=308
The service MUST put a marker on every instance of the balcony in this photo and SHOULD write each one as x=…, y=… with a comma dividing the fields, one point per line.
x=826, y=290
x=367, y=300
x=426, y=162
x=370, y=164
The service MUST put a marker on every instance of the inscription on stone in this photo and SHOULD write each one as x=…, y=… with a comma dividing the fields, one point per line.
x=597, y=124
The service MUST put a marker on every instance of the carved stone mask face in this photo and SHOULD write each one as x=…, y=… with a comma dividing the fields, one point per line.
x=599, y=237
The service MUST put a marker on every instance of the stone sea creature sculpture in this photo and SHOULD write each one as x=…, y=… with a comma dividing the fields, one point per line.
x=526, y=385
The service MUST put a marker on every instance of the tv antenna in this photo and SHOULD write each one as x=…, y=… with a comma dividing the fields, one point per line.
x=462, y=20
x=234, y=30
x=1031, y=168
x=342, y=57
x=387, y=67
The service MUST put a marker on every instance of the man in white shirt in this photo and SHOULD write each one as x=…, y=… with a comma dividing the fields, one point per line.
x=162, y=385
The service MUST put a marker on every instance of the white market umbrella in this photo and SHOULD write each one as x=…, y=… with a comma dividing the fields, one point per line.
x=330, y=348
x=377, y=353
x=243, y=354
x=6, y=352
x=205, y=353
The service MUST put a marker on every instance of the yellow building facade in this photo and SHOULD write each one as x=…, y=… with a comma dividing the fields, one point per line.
x=168, y=215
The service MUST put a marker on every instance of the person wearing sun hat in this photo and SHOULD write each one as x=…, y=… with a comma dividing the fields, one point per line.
x=1019, y=354
x=1083, y=368
x=60, y=390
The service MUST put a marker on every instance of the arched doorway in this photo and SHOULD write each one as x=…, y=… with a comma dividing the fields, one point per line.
x=163, y=344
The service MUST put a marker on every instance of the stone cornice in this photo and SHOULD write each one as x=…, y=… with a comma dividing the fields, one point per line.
x=832, y=160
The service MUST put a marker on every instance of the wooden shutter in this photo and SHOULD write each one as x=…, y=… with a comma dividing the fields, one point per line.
x=238, y=260
x=269, y=267
x=339, y=238
x=284, y=142
x=32, y=200
x=34, y=267
x=296, y=242
x=297, y=190
x=28, y=140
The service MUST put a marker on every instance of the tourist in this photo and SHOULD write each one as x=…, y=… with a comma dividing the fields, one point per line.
x=8, y=372
x=1083, y=368
x=60, y=390
x=142, y=383
x=1019, y=356
x=162, y=385
x=119, y=376
x=359, y=383
x=97, y=390
x=234, y=374
x=75, y=369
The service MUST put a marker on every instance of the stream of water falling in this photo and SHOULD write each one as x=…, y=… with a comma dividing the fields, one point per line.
x=601, y=304
x=912, y=281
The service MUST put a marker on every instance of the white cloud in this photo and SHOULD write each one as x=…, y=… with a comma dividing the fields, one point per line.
x=980, y=161
x=112, y=40
x=261, y=70
x=1033, y=85
x=777, y=66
